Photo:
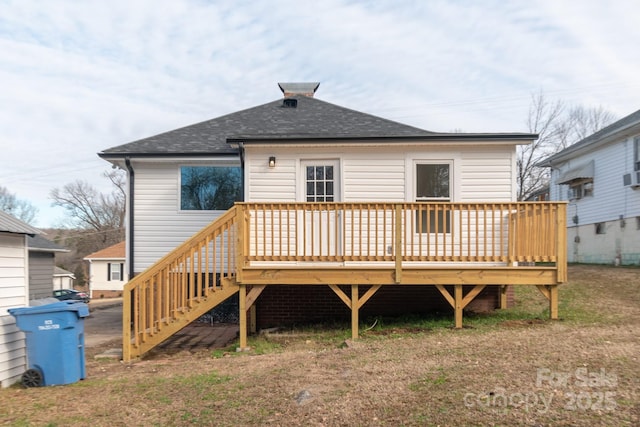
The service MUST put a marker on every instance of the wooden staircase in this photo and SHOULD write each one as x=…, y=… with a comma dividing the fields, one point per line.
x=182, y=286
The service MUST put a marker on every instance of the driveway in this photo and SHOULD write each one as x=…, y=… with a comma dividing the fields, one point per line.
x=104, y=323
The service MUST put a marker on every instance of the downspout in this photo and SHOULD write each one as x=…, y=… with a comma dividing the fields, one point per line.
x=241, y=150
x=127, y=162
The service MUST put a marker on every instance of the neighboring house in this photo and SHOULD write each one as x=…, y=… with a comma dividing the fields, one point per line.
x=107, y=273
x=332, y=197
x=42, y=266
x=14, y=292
x=600, y=177
x=62, y=279
x=540, y=195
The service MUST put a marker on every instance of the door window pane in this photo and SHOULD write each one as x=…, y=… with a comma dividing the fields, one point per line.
x=320, y=184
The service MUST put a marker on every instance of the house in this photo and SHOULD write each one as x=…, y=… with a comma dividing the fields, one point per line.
x=62, y=279
x=599, y=176
x=107, y=274
x=42, y=266
x=308, y=210
x=14, y=292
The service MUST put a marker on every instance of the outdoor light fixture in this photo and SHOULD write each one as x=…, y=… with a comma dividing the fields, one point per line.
x=272, y=162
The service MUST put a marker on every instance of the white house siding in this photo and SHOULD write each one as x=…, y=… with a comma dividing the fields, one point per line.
x=385, y=174
x=611, y=202
x=381, y=174
x=487, y=174
x=159, y=225
x=367, y=173
x=99, y=278
x=13, y=293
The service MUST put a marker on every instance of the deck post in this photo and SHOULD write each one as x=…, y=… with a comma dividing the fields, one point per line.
x=243, y=317
x=354, y=312
x=561, y=233
x=126, y=325
x=398, y=243
x=553, y=302
x=458, y=305
x=503, y=296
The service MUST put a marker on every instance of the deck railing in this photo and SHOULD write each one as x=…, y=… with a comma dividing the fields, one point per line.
x=209, y=267
x=504, y=233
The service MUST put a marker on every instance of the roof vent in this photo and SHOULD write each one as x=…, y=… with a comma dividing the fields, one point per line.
x=290, y=103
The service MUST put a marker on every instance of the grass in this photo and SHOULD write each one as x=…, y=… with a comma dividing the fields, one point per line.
x=405, y=371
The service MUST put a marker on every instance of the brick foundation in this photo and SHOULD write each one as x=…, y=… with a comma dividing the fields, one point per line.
x=97, y=294
x=288, y=305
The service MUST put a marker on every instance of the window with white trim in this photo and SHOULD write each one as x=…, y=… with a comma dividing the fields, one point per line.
x=433, y=184
x=115, y=270
x=580, y=189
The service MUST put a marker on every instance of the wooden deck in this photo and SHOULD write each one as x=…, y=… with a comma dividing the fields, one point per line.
x=254, y=245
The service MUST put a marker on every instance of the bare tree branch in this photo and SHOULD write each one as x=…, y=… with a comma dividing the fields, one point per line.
x=557, y=127
x=21, y=209
x=88, y=209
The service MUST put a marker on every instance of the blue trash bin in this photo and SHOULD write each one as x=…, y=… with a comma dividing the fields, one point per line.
x=55, y=342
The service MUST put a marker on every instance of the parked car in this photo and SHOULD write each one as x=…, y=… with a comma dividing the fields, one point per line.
x=71, y=294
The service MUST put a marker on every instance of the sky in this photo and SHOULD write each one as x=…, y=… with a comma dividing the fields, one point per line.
x=78, y=77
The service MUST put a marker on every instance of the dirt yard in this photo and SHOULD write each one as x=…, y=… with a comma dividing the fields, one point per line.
x=502, y=369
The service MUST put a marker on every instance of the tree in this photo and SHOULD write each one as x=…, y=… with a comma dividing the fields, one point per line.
x=97, y=214
x=21, y=209
x=95, y=220
x=557, y=126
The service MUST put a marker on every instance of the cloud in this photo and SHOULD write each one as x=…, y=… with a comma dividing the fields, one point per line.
x=79, y=77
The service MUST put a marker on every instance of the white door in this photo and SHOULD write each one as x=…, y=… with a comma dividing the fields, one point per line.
x=320, y=233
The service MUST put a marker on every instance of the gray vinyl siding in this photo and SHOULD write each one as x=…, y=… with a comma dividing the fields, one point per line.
x=615, y=206
x=13, y=293
x=40, y=274
x=611, y=198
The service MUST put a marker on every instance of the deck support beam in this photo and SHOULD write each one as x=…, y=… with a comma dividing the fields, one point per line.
x=247, y=312
x=355, y=303
x=551, y=293
x=459, y=301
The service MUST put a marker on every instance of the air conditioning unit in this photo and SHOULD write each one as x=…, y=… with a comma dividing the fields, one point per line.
x=632, y=179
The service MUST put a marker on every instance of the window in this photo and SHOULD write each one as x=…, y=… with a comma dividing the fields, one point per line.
x=209, y=188
x=636, y=153
x=433, y=184
x=600, y=228
x=115, y=271
x=320, y=183
x=580, y=189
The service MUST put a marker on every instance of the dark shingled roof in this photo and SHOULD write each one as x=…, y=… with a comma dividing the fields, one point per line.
x=311, y=119
x=40, y=244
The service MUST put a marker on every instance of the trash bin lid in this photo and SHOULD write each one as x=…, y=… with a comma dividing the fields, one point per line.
x=81, y=309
